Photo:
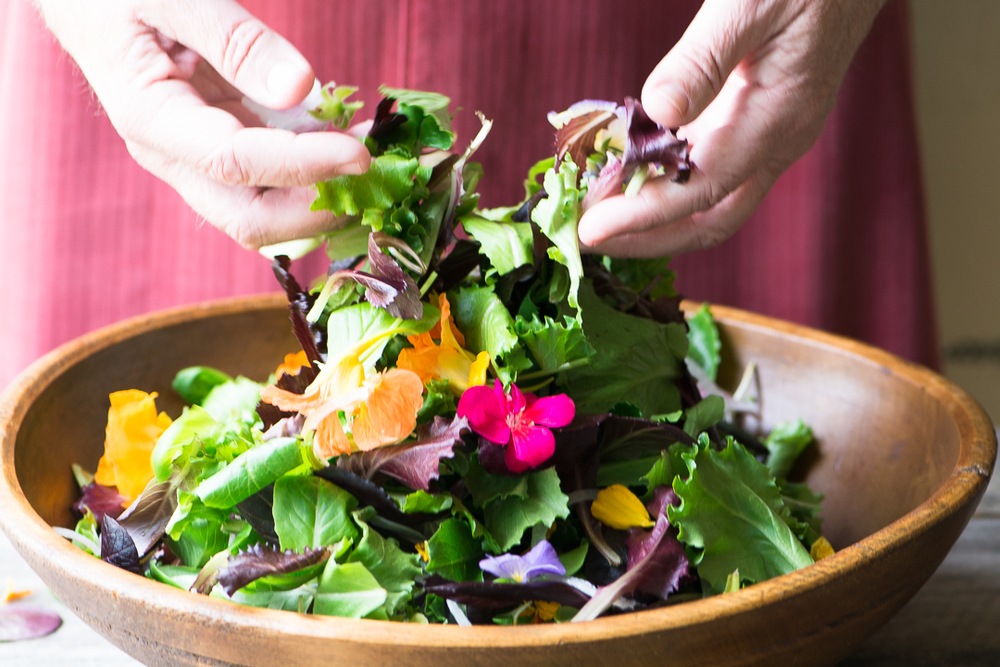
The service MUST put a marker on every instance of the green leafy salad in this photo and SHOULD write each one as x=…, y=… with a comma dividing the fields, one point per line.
x=482, y=425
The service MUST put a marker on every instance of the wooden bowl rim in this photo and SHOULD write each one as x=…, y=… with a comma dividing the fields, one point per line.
x=31, y=534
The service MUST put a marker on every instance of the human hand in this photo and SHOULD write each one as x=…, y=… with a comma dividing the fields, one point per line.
x=172, y=76
x=749, y=84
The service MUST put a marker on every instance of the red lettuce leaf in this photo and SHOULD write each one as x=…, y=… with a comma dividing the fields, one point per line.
x=146, y=519
x=648, y=142
x=415, y=464
x=661, y=564
x=100, y=500
x=493, y=597
x=667, y=566
x=577, y=136
x=259, y=561
x=117, y=546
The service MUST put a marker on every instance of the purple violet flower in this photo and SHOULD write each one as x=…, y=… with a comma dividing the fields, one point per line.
x=540, y=560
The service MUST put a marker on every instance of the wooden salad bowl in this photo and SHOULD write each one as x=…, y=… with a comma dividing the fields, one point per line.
x=904, y=457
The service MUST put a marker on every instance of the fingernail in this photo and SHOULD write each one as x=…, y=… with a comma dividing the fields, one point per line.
x=287, y=82
x=667, y=103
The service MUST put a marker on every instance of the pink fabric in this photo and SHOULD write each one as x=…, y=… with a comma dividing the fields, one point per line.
x=90, y=238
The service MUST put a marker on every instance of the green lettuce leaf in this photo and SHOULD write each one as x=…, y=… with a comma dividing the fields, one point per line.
x=705, y=345
x=557, y=216
x=732, y=517
x=636, y=359
x=454, y=553
x=312, y=512
x=251, y=471
x=394, y=569
x=555, y=346
x=388, y=180
x=506, y=244
x=508, y=518
x=348, y=590
x=487, y=325
x=785, y=443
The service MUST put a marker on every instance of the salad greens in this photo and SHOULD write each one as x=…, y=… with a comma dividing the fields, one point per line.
x=482, y=425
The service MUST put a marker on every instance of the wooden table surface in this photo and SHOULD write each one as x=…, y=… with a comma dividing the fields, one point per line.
x=954, y=621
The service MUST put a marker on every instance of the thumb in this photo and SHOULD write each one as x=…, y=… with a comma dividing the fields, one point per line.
x=259, y=62
x=694, y=71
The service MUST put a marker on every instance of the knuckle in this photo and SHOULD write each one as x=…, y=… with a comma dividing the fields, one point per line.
x=224, y=166
x=245, y=231
x=238, y=45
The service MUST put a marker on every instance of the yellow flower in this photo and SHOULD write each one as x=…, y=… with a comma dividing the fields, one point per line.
x=132, y=431
x=619, y=508
x=821, y=548
x=447, y=359
x=378, y=410
x=421, y=549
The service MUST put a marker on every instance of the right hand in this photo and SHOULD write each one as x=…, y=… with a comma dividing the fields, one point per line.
x=172, y=76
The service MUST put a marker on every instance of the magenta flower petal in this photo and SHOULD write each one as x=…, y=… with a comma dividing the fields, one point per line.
x=532, y=446
x=552, y=411
x=517, y=401
x=486, y=415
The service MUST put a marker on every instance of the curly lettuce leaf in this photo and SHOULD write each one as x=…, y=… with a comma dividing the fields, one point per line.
x=732, y=517
x=506, y=244
x=635, y=358
x=557, y=216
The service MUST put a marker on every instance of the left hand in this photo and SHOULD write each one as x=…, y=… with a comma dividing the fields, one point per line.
x=749, y=84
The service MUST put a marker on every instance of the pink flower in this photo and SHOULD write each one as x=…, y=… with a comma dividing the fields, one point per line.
x=521, y=422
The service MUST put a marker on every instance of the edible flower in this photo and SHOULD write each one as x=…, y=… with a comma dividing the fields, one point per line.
x=132, y=431
x=541, y=560
x=518, y=421
x=617, y=507
x=446, y=360
x=292, y=364
x=378, y=410
x=821, y=549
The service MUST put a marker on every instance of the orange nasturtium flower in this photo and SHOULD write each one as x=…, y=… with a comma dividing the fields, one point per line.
x=377, y=408
x=292, y=364
x=133, y=428
x=447, y=360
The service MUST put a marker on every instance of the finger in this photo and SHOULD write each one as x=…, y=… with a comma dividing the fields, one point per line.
x=172, y=121
x=696, y=232
x=253, y=217
x=694, y=71
x=262, y=64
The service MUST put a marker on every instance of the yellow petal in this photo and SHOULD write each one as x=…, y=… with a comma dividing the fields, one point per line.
x=619, y=508
x=477, y=372
x=133, y=428
x=821, y=549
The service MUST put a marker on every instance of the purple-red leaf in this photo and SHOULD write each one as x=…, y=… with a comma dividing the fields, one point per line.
x=415, y=464
x=659, y=552
x=258, y=561
x=146, y=519
x=661, y=563
x=648, y=143
x=117, y=546
x=100, y=500
x=18, y=623
x=493, y=596
x=577, y=136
